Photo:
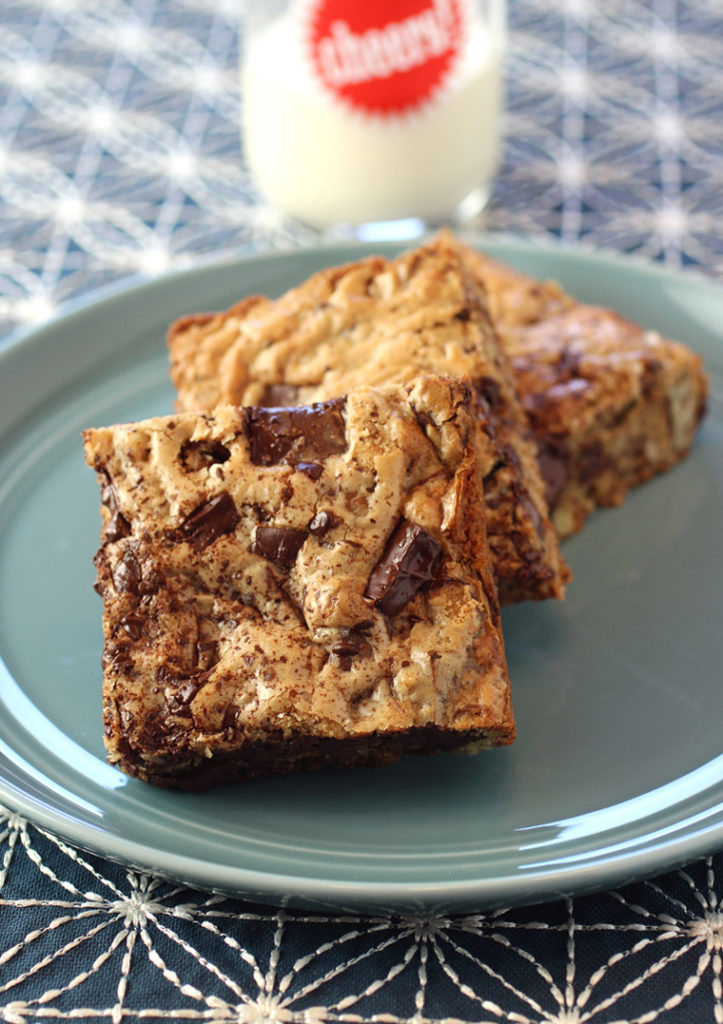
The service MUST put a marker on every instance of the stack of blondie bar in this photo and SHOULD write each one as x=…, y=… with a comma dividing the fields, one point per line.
x=304, y=565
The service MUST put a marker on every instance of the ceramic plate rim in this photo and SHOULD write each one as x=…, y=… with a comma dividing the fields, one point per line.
x=594, y=872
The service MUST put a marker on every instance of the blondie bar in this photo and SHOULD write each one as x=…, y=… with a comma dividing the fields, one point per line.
x=373, y=322
x=287, y=588
x=610, y=403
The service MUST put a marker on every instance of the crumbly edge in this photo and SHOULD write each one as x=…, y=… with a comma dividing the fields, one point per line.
x=194, y=768
x=281, y=754
x=610, y=404
x=209, y=364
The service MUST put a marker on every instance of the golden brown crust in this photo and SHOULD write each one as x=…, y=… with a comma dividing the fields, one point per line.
x=610, y=403
x=254, y=618
x=373, y=322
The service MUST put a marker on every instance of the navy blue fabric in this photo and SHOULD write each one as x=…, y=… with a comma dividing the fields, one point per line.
x=78, y=933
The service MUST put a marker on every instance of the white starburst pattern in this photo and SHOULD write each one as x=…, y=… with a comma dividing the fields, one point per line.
x=121, y=133
x=657, y=944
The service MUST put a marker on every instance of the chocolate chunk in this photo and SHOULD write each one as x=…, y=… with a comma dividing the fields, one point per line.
x=118, y=527
x=552, y=460
x=305, y=433
x=353, y=645
x=489, y=391
x=594, y=461
x=230, y=716
x=568, y=362
x=200, y=454
x=279, y=544
x=410, y=561
x=525, y=503
x=651, y=371
x=206, y=653
x=312, y=469
x=322, y=522
x=508, y=459
x=187, y=691
x=179, y=694
x=108, y=494
x=127, y=574
x=277, y=395
x=119, y=659
x=133, y=626
x=210, y=520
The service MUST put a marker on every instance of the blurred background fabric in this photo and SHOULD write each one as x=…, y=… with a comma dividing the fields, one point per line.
x=120, y=149
x=120, y=158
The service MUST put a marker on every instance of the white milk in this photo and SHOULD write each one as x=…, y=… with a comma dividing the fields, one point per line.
x=323, y=164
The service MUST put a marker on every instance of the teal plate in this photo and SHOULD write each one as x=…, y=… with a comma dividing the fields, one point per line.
x=617, y=771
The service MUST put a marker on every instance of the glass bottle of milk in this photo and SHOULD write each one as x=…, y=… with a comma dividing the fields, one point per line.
x=375, y=117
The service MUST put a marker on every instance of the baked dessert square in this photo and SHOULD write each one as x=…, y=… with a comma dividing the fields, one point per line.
x=374, y=322
x=285, y=588
x=610, y=403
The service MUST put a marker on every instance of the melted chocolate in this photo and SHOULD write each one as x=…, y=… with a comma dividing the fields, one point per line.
x=280, y=544
x=299, y=436
x=209, y=521
x=552, y=460
x=594, y=461
x=132, y=625
x=351, y=646
x=117, y=526
x=411, y=560
x=108, y=494
x=127, y=574
x=490, y=392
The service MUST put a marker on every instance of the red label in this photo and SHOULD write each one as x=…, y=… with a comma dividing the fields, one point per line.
x=385, y=56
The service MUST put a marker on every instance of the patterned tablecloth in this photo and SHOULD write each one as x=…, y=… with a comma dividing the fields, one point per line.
x=119, y=155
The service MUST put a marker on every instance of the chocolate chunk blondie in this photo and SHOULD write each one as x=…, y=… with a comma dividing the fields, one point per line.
x=374, y=322
x=285, y=588
x=610, y=403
